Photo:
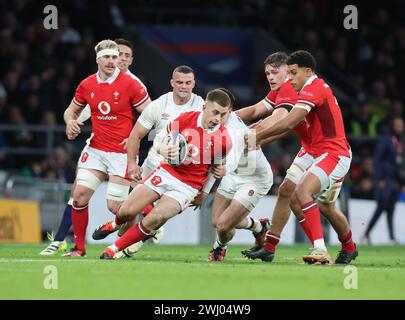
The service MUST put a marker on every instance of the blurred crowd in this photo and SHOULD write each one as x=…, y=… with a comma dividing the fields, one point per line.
x=41, y=68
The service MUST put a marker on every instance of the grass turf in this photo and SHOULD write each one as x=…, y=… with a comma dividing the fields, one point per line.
x=182, y=272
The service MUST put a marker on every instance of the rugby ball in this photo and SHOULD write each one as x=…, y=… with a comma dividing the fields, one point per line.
x=176, y=138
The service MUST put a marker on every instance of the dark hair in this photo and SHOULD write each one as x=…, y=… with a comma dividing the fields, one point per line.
x=277, y=59
x=230, y=95
x=183, y=69
x=303, y=59
x=219, y=96
x=121, y=41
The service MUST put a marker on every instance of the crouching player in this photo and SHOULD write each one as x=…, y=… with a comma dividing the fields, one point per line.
x=176, y=186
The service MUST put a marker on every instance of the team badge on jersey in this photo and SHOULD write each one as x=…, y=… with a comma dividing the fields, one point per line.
x=116, y=95
x=84, y=157
x=92, y=95
x=165, y=116
x=156, y=180
x=251, y=192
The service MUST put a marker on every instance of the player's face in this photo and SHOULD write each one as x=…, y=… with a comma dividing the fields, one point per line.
x=276, y=76
x=125, y=58
x=298, y=76
x=107, y=64
x=182, y=84
x=398, y=126
x=213, y=114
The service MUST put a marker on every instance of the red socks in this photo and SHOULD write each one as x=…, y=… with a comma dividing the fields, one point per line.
x=271, y=241
x=133, y=235
x=147, y=209
x=80, y=219
x=304, y=225
x=313, y=219
x=347, y=242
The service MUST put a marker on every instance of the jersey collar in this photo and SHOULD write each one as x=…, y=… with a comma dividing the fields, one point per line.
x=110, y=79
x=309, y=81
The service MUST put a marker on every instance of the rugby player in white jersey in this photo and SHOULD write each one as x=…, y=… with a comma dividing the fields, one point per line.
x=247, y=177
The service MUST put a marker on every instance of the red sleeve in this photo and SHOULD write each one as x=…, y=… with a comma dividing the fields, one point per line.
x=310, y=96
x=138, y=93
x=80, y=96
x=271, y=98
x=286, y=97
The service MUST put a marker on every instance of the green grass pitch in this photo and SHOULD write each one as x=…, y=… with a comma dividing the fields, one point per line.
x=182, y=272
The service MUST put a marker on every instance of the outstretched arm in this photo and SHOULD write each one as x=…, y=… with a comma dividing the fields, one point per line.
x=282, y=126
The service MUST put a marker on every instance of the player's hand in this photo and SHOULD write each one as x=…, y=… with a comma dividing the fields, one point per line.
x=124, y=144
x=134, y=171
x=169, y=152
x=199, y=200
x=219, y=171
x=251, y=140
x=256, y=125
x=73, y=129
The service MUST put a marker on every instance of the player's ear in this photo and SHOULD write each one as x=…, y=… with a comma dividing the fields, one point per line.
x=204, y=107
x=172, y=83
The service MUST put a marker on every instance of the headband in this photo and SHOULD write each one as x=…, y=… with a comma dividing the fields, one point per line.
x=107, y=52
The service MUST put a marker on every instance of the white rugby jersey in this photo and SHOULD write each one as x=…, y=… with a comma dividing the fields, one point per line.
x=240, y=161
x=159, y=113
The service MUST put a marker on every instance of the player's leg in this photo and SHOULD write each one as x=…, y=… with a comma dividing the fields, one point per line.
x=117, y=193
x=163, y=211
x=219, y=209
x=309, y=186
x=128, y=210
x=58, y=243
x=341, y=226
x=87, y=181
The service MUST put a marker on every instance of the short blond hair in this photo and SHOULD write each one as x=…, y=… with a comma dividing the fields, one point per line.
x=106, y=44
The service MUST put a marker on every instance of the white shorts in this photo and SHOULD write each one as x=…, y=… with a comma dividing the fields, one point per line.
x=164, y=183
x=246, y=190
x=112, y=163
x=329, y=169
x=147, y=168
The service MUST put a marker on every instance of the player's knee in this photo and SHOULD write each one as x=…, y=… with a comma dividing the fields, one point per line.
x=286, y=189
x=126, y=210
x=80, y=199
x=223, y=227
x=113, y=206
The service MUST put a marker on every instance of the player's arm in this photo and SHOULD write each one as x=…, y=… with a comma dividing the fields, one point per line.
x=277, y=115
x=255, y=111
x=71, y=119
x=143, y=105
x=284, y=125
x=138, y=132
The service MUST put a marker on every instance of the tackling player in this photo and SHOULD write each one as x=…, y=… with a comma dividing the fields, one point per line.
x=247, y=177
x=322, y=177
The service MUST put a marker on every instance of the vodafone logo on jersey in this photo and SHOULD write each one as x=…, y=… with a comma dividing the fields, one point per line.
x=105, y=109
